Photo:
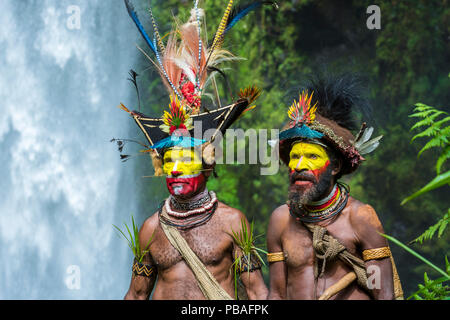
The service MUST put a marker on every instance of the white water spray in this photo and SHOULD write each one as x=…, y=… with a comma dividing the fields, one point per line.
x=63, y=70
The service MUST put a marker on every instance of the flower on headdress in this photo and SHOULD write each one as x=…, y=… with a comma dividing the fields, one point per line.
x=176, y=118
x=302, y=112
x=192, y=97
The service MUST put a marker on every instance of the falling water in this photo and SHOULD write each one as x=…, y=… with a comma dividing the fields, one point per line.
x=63, y=71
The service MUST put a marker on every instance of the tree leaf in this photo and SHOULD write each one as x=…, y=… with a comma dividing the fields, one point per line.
x=418, y=256
x=437, y=182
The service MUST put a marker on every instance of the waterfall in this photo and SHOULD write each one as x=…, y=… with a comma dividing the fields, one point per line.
x=63, y=70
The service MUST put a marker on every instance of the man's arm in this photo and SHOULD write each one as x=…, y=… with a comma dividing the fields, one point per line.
x=254, y=284
x=278, y=269
x=142, y=285
x=253, y=281
x=367, y=228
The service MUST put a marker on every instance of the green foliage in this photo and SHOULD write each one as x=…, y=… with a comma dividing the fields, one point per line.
x=133, y=240
x=439, y=181
x=440, y=136
x=417, y=255
x=402, y=61
x=430, y=290
x=440, y=226
x=245, y=240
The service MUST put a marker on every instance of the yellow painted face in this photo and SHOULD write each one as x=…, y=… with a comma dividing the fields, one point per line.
x=183, y=161
x=308, y=156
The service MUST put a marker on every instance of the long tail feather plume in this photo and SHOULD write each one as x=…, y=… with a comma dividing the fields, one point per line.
x=141, y=29
x=186, y=62
x=241, y=11
x=218, y=38
x=156, y=31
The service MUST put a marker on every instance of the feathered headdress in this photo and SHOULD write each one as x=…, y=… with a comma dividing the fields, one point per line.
x=301, y=114
x=186, y=64
x=324, y=113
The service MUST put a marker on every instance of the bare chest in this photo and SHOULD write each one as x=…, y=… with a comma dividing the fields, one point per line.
x=209, y=242
x=298, y=245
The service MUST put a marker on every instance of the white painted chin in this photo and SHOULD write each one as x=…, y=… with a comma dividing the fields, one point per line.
x=177, y=190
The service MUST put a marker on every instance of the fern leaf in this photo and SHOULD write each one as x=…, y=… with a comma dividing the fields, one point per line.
x=422, y=114
x=429, y=120
x=444, y=120
x=440, y=226
x=437, y=141
x=445, y=155
x=429, y=132
x=420, y=106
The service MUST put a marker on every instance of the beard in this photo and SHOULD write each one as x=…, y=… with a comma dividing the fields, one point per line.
x=305, y=187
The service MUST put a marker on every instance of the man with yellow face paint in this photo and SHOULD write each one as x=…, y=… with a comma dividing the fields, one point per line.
x=205, y=224
x=183, y=168
x=323, y=243
x=308, y=156
x=188, y=248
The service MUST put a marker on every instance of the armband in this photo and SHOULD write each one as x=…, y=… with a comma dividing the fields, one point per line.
x=141, y=269
x=276, y=256
x=377, y=253
x=246, y=266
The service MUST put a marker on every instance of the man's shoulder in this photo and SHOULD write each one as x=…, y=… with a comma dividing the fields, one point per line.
x=229, y=213
x=150, y=224
x=281, y=212
x=279, y=219
x=360, y=211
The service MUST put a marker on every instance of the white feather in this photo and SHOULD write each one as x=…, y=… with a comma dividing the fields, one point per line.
x=186, y=69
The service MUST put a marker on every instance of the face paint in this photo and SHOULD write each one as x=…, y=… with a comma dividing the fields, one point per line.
x=180, y=162
x=308, y=161
x=183, y=169
x=308, y=156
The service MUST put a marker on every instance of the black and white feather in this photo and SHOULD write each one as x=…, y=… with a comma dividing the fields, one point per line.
x=363, y=143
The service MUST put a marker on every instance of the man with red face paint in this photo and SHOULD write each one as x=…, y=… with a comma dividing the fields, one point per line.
x=205, y=223
x=189, y=251
x=323, y=243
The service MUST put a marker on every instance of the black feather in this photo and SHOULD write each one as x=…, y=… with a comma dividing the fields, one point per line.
x=133, y=77
x=227, y=83
x=340, y=97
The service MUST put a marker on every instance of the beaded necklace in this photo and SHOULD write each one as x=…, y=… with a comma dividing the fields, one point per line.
x=188, y=219
x=200, y=206
x=330, y=208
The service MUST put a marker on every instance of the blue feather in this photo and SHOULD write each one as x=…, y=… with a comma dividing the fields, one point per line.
x=241, y=11
x=141, y=29
x=241, y=14
x=300, y=132
x=177, y=141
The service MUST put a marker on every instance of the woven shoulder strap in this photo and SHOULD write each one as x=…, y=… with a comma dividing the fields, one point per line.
x=211, y=289
x=326, y=247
